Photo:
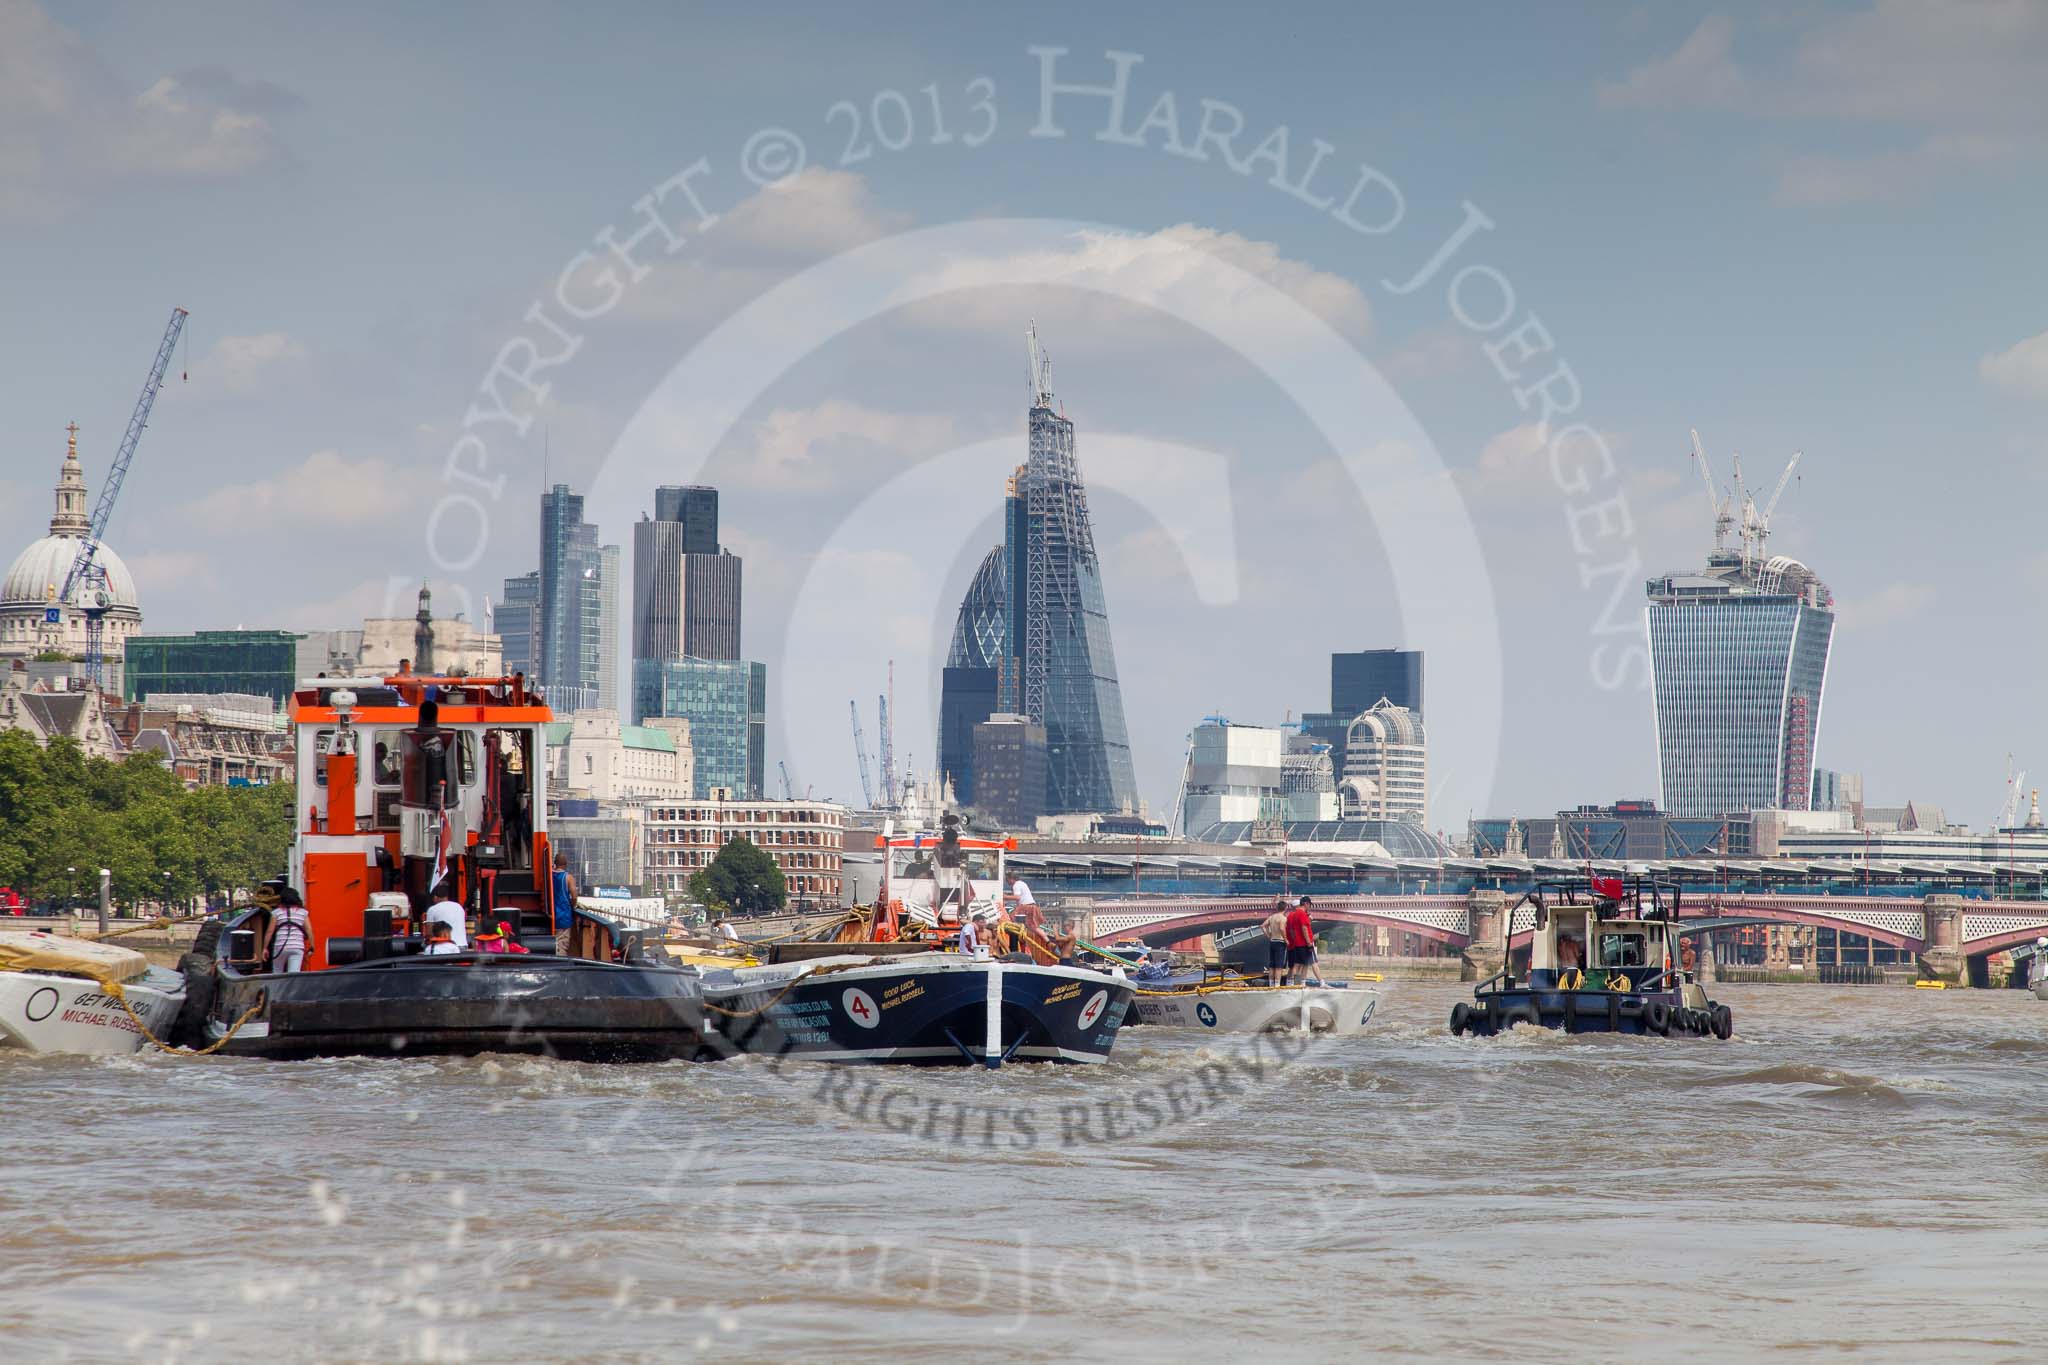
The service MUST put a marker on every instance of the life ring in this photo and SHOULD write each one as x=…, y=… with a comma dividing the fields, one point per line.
x=1723, y=1022
x=1461, y=1019
x=1657, y=1017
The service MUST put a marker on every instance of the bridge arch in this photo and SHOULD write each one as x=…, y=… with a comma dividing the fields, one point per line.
x=1217, y=919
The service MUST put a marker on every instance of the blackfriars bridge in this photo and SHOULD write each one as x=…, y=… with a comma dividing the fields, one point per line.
x=1948, y=935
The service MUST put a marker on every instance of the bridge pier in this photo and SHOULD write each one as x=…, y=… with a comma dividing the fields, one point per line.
x=1483, y=955
x=1941, y=956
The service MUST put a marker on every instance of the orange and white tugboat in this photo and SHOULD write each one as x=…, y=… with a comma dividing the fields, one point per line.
x=942, y=971
x=422, y=794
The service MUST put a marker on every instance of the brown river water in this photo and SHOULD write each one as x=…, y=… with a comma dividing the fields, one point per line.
x=1861, y=1170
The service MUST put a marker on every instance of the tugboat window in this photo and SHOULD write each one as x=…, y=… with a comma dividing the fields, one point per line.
x=323, y=745
x=1621, y=950
x=386, y=759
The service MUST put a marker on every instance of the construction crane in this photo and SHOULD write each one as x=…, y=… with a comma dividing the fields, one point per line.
x=1755, y=526
x=86, y=570
x=860, y=747
x=788, y=791
x=885, y=704
x=1718, y=503
x=2015, y=788
x=1762, y=529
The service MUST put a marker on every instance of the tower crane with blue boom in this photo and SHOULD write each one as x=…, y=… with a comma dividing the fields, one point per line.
x=86, y=570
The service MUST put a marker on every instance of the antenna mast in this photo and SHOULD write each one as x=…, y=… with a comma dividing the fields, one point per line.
x=1041, y=368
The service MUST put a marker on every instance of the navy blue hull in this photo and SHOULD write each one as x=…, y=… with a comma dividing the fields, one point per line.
x=907, y=1013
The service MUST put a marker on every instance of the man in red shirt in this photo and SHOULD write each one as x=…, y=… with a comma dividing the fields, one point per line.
x=1301, y=942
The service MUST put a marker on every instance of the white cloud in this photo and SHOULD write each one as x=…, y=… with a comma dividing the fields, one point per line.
x=1116, y=270
x=188, y=568
x=810, y=215
x=327, y=489
x=1888, y=606
x=68, y=125
x=1433, y=353
x=1960, y=81
x=2022, y=366
x=1520, y=461
x=241, y=364
x=1875, y=177
x=837, y=444
x=757, y=245
x=390, y=596
x=1700, y=74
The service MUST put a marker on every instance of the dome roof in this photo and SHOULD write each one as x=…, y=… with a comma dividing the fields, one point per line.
x=1394, y=724
x=38, y=572
x=979, y=631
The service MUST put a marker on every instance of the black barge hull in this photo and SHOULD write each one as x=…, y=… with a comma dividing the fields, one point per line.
x=463, y=1005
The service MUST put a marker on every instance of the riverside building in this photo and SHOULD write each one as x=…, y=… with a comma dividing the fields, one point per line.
x=807, y=840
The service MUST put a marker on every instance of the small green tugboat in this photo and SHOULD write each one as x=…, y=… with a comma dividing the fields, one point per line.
x=1604, y=957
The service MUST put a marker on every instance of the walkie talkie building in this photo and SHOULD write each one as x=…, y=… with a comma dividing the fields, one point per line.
x=1738, y=662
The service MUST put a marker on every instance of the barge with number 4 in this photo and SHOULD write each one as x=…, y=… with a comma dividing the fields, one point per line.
x=902, y=983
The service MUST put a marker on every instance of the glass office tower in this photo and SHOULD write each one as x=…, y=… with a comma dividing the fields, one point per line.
x=515, y=619
x=726, y=703
x=1738, y=662
x=1033, y=634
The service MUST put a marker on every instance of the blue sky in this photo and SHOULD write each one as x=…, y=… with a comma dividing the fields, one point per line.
x=1792, y=226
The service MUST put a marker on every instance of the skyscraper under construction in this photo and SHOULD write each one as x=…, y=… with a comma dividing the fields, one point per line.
x=1738, y=663
x=1040, y=594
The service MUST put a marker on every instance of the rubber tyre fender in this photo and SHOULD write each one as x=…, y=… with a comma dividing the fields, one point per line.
x=1723, y=1022
x=206, y=943
x=1571, y=1011
x=1461, y=1019
x=201, y=985
x=1522, y=1013
x=1480, y=1023
x=1614, y=1014
x=1657, y=1017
